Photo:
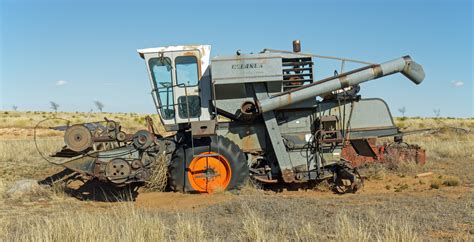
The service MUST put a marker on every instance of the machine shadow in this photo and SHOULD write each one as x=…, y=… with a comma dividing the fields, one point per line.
x=90, y=190
x=95, y=190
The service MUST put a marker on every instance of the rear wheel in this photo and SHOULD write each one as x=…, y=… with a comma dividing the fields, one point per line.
x=217, y=164
x=346, y=180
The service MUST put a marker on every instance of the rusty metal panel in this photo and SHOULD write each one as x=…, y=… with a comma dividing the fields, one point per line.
x=369, y=117
x=362, y=147
x=406, y=153
x=249, y=137
x=385, y=153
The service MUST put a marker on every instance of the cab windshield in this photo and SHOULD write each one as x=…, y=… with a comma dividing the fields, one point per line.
x=161, y=73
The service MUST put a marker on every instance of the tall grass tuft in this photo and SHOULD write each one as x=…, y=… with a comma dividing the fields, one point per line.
x=159, y=177
x=189, y=228
x=254, y=225
x=122, y=223
x=349, y=229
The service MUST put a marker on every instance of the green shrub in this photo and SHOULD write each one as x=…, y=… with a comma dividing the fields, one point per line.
x=401, y=188
x=451, y=181
x=435, y=184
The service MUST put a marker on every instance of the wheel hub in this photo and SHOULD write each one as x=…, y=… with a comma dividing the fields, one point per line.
x=209, y=172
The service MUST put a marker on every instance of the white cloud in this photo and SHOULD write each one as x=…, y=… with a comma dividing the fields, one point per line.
x=61, y=83
x=457, y=83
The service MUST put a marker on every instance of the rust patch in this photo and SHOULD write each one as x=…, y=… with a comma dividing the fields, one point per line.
x=377, y=71
x=189, y=53
x=344, y=82
x=288, y=175
x=385, y=153
x=264, y=180
x=248, y=144
x=410, y=153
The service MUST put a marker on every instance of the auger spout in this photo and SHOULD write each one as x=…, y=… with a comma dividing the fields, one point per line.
x=405, y=65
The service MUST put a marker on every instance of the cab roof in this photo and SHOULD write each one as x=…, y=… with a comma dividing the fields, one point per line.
x=142, y=52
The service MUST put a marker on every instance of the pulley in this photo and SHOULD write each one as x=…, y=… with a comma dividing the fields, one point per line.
x=117, y=170
x=143, y=139
x=78, y=138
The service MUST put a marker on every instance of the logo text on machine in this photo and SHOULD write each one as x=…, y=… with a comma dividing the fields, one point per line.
x=247, y=66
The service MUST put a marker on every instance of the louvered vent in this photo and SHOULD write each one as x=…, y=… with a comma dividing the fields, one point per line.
x=297, y=72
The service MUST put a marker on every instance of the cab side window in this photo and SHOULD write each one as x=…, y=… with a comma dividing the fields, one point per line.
x=187, y=76
x=186, y=71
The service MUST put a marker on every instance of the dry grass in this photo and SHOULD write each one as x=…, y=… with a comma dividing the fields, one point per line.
x=352, y=230
x=122, y=223
x=131, y=122
x=250, y=218
x=451, y=181
x=435, y=184
x=19, y=158
x=25, y=150
x=375, y=171
x=369, y=226
x=3, y=188
x=188, y=227
x=448, y=151
x=254, y=225
x=448, y=142
x=159, y=177
x=428, y=123
x=375, y=227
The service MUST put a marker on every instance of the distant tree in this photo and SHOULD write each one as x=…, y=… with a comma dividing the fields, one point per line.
x=99, y=105
x=54, y=106
x=14, y=107
x=402, y=110
x=437, y=112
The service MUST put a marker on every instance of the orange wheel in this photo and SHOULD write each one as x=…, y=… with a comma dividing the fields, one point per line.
x=209, y=172
x=213, y=164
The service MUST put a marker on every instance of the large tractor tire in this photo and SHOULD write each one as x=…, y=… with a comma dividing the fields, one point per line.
x=218, y=164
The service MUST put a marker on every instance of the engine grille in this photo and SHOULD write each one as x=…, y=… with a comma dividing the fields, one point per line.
x=297, y=72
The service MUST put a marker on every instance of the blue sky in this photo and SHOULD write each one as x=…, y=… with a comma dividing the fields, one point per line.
x=75, y=52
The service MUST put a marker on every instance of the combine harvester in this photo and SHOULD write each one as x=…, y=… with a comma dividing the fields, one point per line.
x=281, y=126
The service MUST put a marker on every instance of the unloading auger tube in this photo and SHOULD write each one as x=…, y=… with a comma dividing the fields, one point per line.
x=405, y=65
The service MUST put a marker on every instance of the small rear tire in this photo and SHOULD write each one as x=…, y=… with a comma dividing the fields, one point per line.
x=346, y=180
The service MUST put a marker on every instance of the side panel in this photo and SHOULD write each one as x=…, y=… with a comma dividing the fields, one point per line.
x=363, y=118
x=247, y=69
x=249, y=137
x=295, y=127
x=229, y=97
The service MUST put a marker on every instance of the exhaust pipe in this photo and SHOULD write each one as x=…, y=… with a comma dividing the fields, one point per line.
x=296, y=46
x=405, y=65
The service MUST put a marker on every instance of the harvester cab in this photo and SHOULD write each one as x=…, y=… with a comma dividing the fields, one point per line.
x=275, y=129
x=180, y=79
